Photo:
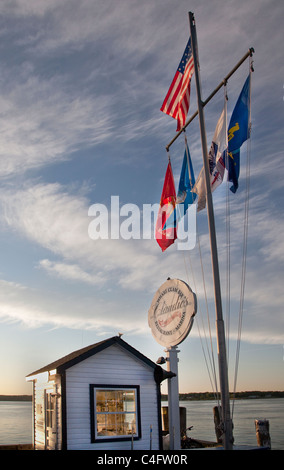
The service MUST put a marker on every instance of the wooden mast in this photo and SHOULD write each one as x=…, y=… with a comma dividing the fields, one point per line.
x=222, y=357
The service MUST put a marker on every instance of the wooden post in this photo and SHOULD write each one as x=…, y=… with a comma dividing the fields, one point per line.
x=165, y=418
x=262, y=433
x=182, y=418
x=217, y=422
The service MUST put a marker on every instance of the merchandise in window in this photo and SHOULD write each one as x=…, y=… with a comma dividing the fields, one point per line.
x=115, y=412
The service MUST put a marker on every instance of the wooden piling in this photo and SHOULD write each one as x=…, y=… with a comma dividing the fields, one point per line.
x=262, y=433
x=165, y=418
x=217, y=420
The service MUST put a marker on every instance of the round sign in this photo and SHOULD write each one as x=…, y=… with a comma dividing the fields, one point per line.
x=171, y=314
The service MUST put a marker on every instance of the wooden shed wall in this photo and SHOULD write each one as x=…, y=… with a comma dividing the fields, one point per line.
x=112, y=366
x=41, y=388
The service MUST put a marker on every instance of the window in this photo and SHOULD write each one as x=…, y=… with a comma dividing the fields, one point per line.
x=114, y=412
x=50, y=410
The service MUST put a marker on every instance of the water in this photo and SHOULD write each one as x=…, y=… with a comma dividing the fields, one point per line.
x=199, y=414
x=16, y=421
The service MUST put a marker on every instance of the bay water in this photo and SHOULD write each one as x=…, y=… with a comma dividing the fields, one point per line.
x=16, y=420
x=199, y=414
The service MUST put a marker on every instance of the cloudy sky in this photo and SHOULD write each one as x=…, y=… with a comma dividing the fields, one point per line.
x=81, y=86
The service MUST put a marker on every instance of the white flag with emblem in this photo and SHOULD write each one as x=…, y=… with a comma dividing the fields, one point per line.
x=216, y=159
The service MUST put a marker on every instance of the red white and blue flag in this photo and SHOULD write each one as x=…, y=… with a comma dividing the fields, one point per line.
x=176, y=103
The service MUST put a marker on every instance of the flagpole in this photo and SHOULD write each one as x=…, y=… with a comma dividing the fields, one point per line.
x=205, y=102
x=222, y=358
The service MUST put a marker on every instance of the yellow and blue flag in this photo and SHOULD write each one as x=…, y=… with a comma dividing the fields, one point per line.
x=238, y=132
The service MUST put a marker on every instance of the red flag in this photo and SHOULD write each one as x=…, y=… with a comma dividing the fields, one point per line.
x=166, y=237
x=176, y=103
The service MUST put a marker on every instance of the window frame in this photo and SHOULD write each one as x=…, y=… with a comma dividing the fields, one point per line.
x=108, y=387
x=50, y=410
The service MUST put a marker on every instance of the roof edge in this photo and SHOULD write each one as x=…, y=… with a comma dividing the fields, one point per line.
x=81, y=354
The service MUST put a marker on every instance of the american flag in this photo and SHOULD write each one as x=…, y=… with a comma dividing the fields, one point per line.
x=176, y=103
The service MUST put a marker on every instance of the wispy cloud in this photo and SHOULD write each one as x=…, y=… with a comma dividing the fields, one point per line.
x=71, y=272
x=34, y=308
x=58, y=221
x=42, y=124
x=81, y=85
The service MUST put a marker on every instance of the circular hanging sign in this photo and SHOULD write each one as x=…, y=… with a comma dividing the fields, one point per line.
x=171, y=314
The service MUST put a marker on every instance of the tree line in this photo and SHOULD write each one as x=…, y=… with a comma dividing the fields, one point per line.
x=238, y=395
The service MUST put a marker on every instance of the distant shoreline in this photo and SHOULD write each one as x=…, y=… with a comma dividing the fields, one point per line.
x=238, y=395
x=16, y=397
x=182, y=396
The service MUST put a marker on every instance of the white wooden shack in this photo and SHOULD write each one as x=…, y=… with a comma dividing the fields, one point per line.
x=101, y=397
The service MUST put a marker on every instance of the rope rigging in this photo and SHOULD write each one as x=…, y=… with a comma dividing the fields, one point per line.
x=209, y=359
x=210, y=177
x=207, y=348
x=245, y=239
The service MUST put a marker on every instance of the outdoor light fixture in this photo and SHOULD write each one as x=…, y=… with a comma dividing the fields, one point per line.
x=161, y=360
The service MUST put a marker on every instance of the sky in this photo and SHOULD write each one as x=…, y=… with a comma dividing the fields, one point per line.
x=81, y=86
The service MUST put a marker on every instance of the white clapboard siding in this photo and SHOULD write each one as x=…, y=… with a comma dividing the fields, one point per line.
x=111, y=366
x=42, y=387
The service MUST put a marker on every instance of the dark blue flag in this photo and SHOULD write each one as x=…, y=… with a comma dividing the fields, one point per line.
x=238, y=132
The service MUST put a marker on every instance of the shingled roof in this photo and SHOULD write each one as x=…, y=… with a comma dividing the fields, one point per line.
x=81, y=354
